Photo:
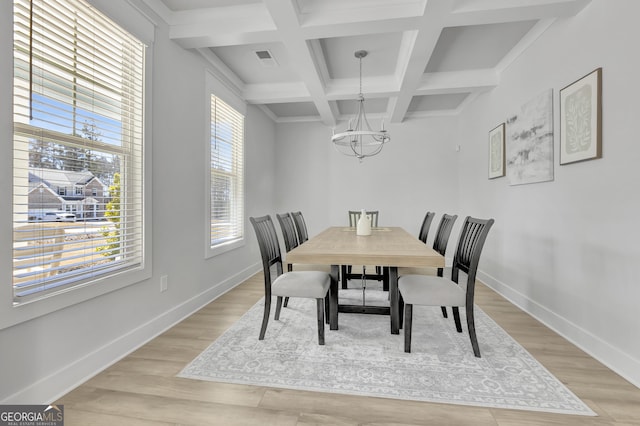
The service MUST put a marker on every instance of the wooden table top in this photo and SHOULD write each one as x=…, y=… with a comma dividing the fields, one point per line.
x=386, y=246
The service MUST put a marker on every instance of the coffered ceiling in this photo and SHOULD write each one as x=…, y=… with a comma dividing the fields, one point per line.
x=295, y=58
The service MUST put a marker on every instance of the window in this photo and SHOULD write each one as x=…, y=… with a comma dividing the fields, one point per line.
x=226, y=218
x=77, y=112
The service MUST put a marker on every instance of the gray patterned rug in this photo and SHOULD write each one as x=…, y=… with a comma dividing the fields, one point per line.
x=363, y=358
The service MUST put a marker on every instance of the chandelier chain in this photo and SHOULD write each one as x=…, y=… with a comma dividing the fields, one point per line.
x=360, y=59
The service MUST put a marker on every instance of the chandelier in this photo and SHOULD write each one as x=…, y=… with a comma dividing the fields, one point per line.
x=359, y=140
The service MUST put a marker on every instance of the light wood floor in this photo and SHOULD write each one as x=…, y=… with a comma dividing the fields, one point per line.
x=142, y=388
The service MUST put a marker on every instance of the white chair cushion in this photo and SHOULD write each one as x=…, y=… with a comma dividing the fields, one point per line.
x=431, y=290
x=312, y=284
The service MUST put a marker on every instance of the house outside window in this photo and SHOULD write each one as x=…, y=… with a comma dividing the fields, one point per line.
x=77, y=111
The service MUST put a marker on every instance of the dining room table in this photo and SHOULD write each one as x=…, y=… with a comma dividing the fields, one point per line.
x=390, y=247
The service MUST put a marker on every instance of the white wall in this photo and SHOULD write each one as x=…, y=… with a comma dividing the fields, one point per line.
x=43, y=358
x=415, y=172
x=566, y=250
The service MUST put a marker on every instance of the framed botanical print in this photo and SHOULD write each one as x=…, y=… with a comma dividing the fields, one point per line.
x=581, y=119
x=496, y=152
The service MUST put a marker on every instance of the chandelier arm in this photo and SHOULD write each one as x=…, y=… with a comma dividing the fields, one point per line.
x=355, y=152
x=354, y=133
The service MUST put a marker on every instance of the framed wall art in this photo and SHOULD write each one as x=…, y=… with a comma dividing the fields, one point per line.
x=529, y=141
x=581, y=119
x=496, y=152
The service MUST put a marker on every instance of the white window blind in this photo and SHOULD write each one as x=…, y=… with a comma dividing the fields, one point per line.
x=78, y=145
x=226, y=166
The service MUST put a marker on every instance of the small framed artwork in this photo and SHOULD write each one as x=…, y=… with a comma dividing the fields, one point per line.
x=581, y=119
x=496, y=152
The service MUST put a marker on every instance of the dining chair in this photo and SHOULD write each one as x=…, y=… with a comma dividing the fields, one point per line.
x=354, y=217
x=426, y=224
x=305, y=284
x=301, y=226
x=290, y=238
x=440, y=242
x=430, y=290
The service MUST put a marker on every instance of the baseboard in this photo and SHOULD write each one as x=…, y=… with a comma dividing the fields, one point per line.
x=615, y=359
x=59, y=383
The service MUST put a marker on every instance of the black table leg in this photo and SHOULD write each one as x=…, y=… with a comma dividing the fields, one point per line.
x=344, y=275
x=385, y=279
x=333, y=298
x=394, y=300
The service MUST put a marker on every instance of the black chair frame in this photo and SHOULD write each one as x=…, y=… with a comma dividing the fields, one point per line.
x=271, y=256
x=472, y=238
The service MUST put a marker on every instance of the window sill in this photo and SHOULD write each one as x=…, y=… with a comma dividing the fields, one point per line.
x=27, y=310
x=223, y=248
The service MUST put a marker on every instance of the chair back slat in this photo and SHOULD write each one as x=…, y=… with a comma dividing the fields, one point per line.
x=354, y=217
x=301, y=225
x=424, y=229
x=288, y=229
x=269, y=245
x=441, y=240
x=472, y=237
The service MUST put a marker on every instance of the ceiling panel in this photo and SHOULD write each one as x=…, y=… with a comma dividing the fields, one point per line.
x=293, y=109
x=382, y=55
x=177, y=5
x=244, y=62
x=372, y=106
x=476, y=46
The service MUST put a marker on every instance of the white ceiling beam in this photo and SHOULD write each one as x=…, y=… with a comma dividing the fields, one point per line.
x=418, y=46
x=228, y=17
x=326, y=12
x=222, y=26
x=160, y=9
x=270, y=93
x=526, y=41
x=285, y=16
x=355, y=27
x=439, y=83
x=190, y=40
x=347, y=88
x=512, y=12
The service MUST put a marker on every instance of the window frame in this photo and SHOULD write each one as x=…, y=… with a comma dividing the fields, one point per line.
x=215, y=88
x=133, y=21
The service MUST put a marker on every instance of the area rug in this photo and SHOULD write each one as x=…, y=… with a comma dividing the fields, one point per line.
x=364, y=358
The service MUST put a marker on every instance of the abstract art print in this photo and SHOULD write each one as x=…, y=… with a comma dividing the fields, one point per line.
x=496, y=152
x=581, y=119
x=529, y=145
